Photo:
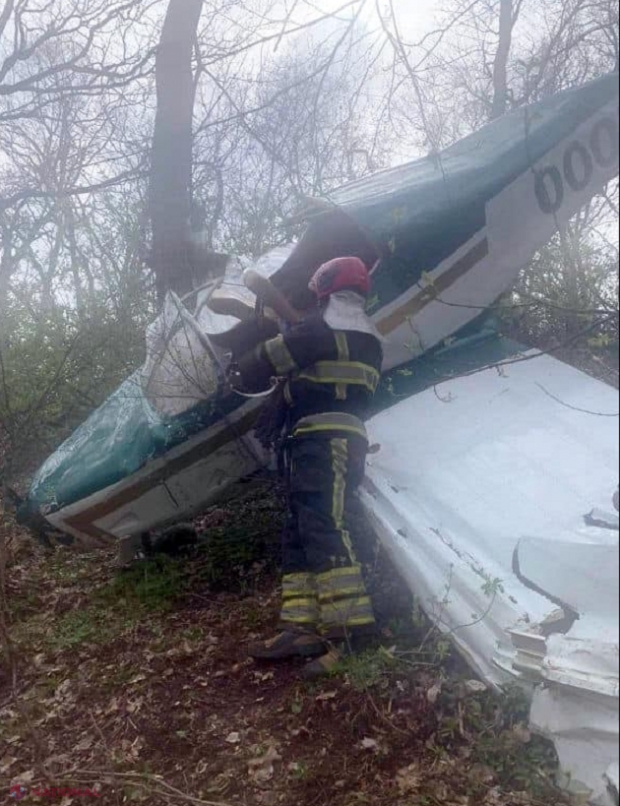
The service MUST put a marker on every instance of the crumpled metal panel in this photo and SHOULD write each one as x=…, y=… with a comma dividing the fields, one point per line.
x=479, y=492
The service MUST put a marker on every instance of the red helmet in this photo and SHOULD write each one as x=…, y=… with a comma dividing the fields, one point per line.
x=348, y=273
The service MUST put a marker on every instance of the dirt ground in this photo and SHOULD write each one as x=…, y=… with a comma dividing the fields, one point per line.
x=135, y=686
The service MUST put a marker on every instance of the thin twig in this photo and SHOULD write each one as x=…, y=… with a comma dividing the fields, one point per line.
x=522, y=359
x=157, y=785
x=575, y=408
x=98, y=729
x=285, y=23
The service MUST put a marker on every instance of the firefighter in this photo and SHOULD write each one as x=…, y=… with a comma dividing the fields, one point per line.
x=330, y=364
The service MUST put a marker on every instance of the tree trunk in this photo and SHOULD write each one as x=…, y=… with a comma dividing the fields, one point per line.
x=171, y=169
x=500, y=67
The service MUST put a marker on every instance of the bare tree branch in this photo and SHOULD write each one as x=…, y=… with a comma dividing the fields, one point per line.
x=500, y=66
x=131, y=175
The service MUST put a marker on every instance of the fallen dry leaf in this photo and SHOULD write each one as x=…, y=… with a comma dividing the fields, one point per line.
x=24, y=778
x=326, y=696
x=262, y=769
x=133, y=706
x=433, y=694
x=6, y=764
x=130, y=689
x=522, y=733
x=409, y=780
x=85, y=744
x=475, y=687
x=369, y=744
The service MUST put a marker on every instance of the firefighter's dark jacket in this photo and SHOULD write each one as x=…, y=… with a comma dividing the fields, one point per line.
x=327, y=370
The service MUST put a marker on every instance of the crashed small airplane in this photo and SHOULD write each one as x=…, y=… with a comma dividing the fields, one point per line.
x=499, y=509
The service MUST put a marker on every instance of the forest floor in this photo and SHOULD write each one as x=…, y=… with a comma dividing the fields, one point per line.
x=135, y=686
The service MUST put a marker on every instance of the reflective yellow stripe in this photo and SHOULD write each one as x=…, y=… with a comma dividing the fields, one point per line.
x=360, y=432
x=339, y=573
x=351, y=373
x=308, y=604
x=280, y=356
x=302, y=578
x=343, y=593
x=339, y=589
x=300, y=611
x=347, y=605
x=334, y=421
x=296, y=585
x=348, y=613
x=341, y=583
x=340, y=463
x=343, y=356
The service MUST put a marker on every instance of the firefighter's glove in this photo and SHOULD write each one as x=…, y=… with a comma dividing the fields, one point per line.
x=235, y=378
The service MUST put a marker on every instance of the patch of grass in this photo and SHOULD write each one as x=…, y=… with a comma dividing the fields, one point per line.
x=253, y=615
x=66, y=569
x=118, y=678
x=75, y=629
x=237, y=556
x=152, y=586
x=192, y=634
x=519, y=764
x=369, y=670
x=520, y=767
x=297, y=706
x=493, y=726
x=489, y=727
x=89, y=626
x=114, y=608
x=149, y=587
x=24, y=604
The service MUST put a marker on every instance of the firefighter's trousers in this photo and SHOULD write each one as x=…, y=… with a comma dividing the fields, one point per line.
x=323, y=586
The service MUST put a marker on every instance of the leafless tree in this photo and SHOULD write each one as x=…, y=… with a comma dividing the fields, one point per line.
x=171, y=165
x=300, y=127
x=486, y=58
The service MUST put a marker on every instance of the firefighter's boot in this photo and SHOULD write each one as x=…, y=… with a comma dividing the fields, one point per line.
x=290, y=643
x=325, y=665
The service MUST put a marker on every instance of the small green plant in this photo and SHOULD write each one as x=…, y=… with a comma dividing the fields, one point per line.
x=89, y=626
x=241, y=554
x=153, y=586
x=367, y=670
x=75, y=629
x=297, y=706
x=493, y=587
x=300, y=771
x=519, y=760
x=192, y=634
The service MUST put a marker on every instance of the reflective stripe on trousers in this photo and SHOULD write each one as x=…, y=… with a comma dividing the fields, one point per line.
x=342, y=373
x=323, y=583
x=343, y=601
x=344, y=355
x=331, y=421
x=300, y=600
